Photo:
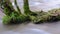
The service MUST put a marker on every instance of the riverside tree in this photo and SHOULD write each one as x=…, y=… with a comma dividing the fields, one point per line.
x=27, y=10
x=12, y=16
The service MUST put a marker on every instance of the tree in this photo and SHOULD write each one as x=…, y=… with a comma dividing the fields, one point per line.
x=8, y=8
x=11, y=15
x=14, y=17
x=18, y=9
x=27, y=10
x=9, y=12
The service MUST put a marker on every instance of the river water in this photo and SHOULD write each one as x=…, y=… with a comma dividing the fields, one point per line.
x=35, y=5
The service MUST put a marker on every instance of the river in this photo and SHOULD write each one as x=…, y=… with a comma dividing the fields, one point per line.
x=35, y=5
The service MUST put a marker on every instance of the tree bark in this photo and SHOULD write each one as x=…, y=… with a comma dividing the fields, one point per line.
x=8, y=8
x=18, y=9
x=26, y=7
x=27, y=10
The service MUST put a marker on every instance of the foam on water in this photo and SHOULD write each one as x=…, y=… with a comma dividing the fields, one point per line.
x=34, y=31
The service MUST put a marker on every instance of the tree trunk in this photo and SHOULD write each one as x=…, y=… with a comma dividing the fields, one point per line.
x=8, y=8
x=18, y=9
x=27, y=11
x=26, y=7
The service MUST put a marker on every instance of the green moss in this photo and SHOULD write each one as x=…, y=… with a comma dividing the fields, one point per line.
x=8, y=8
x=27, y=10
x=31, y=15
x=6, y=19
x=50, y=16
x=18, y=9
x=14, y=19
x=13, y=16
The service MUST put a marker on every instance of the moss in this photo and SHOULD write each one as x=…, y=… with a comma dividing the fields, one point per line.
x=27, y=10
x=13, y=16
x=8, y=8
x=50, y=16
x=18, y=19
x=31, y=15
x=18, y=9
x=6, y=19
x=14, y=19
x=33, y=18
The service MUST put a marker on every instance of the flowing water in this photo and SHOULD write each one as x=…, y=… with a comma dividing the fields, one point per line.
x=35, y=5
